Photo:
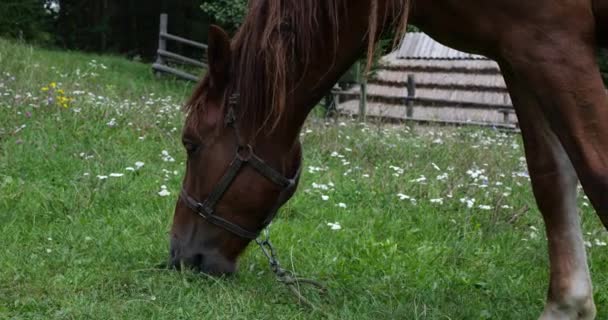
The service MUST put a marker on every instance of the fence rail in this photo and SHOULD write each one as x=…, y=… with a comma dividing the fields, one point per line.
x=164, y=56
x=412, y=101
x=363, y=97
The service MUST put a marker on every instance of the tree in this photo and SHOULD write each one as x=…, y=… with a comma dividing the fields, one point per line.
x=603, y=60
x=227, y=13
x=26, y=19
x=127, y=26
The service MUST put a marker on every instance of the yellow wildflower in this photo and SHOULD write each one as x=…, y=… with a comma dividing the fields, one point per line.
x=64, y=101
x=45, y=89
x=53, y=85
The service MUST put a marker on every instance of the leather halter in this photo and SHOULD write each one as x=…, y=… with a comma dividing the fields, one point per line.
x=244, y=156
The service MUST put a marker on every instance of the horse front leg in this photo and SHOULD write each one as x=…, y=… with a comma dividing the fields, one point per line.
x=554, y=183
x=561, y=70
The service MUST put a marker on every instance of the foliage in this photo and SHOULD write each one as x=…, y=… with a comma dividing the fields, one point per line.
x=603, y=60
x=26, y=19
x=412, y=28
x=386, y=44
x=230, y=13
x=227, y=13
x=127, y=26
x=119, y=26
x=79, y=242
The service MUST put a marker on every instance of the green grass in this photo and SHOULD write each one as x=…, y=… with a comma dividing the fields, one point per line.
x=78, y=247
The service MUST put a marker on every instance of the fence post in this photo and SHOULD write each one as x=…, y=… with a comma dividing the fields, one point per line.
x=363, y=100
x=336, y=93
x=411, y=94
x=162, y=42
x=505, y=116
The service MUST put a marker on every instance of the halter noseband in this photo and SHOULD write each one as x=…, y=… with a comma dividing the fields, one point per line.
x=244, y=155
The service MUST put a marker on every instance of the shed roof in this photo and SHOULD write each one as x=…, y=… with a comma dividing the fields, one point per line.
x=450, y=84
x=418, y=45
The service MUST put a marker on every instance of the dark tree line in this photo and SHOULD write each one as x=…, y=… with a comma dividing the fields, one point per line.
x=603, y=60
x=127, y=27
x=121, y=26
x=25, y=19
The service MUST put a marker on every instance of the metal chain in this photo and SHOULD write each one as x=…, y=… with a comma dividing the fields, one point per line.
x=284, y=276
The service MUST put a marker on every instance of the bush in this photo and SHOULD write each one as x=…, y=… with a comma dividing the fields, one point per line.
x=227, y=13
x=603, y=60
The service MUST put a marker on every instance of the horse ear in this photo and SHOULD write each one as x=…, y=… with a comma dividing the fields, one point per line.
x=218, y=54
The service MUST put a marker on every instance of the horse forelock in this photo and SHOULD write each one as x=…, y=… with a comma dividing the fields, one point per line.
x=275, y=36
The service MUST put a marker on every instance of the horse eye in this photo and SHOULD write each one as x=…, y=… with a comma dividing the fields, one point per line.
x=190, y=147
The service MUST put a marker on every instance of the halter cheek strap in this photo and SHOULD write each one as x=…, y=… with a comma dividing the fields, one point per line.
x=244, y=155
x=207, y=208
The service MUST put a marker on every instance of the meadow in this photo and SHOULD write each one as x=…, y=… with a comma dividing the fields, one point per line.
x=399, y=221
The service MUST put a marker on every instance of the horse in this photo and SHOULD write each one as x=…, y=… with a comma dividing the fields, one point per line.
x=241, y=131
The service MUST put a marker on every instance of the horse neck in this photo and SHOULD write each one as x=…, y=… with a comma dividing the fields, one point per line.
x=317, y=78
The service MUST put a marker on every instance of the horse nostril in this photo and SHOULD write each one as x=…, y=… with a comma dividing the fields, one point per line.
x=197, y=260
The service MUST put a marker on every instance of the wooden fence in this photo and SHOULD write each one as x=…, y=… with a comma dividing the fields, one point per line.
x=363, y=98
x=342, y=96
x=165, y=60
x=165, y=57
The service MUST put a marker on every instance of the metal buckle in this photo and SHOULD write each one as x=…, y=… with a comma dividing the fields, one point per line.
x=233, y=99
x=244, y=153
x=203, y=210
x=230, y=117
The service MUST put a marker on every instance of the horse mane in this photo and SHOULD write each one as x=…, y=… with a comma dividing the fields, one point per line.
x=276, y=34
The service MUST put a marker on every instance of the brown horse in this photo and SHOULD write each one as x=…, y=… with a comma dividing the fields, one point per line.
x=244, y=118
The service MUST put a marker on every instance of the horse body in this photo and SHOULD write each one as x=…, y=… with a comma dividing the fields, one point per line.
x=546, y=50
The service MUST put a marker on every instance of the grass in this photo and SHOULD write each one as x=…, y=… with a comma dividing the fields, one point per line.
x=80, y=247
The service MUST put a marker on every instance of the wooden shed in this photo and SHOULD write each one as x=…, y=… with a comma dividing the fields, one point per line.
x=450, y=86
